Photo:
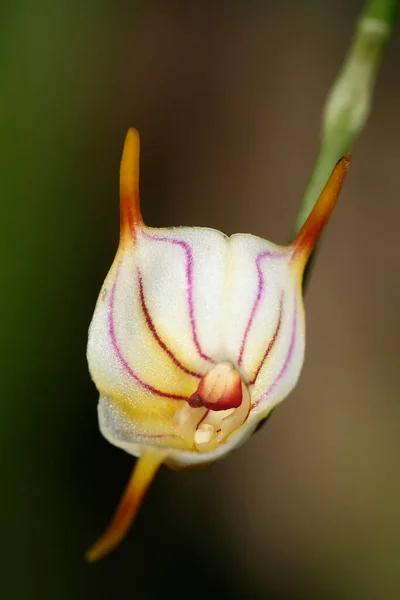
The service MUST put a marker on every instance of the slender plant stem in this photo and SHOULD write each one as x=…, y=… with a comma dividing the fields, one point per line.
x=349, y=101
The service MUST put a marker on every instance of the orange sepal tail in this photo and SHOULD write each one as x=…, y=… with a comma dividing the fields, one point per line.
x=309, y=234
x=141, y=478
x=130, y=214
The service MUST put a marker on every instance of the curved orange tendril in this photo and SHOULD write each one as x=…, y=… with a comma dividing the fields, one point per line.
x=130, y=214
x=309, y=234
x=141, y=478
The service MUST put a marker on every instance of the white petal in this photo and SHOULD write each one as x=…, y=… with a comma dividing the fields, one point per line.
x=157, y=324
x=125, y=435
x=264, y=327
x=259, y=273
x=172, y=306
x=185, y=269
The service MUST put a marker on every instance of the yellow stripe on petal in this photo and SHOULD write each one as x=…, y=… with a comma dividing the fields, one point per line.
x=151, y=423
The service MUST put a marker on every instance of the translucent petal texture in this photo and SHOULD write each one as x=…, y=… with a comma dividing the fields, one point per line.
x=175, y=303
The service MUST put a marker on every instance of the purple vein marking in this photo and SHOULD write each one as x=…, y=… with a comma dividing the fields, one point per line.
x=122, y=360
x=285, y=364
x=272, y=341
x=189, y=284
x=155, y=334
x=258, y=298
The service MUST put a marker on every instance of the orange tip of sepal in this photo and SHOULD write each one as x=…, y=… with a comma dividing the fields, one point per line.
x=143, y=474
x=129, y=185
x=312, y=229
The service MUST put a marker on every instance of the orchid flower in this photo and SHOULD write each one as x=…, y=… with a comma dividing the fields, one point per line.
x=195, y=338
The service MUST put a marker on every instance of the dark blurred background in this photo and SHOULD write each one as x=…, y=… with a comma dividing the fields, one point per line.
x=227, y=97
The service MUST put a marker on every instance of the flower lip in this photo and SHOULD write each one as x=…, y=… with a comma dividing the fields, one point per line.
x=216, y=414
x=219, y=389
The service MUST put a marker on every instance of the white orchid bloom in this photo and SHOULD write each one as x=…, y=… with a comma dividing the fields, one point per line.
x=196, y=336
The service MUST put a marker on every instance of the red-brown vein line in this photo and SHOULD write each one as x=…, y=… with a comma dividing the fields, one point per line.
x=189, y=286
x=155, y=334
x=271, y=343
x=285, y=365
x=121, y=359
x=257, y=300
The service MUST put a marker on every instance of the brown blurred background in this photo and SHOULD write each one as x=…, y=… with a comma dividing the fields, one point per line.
x=227, y=97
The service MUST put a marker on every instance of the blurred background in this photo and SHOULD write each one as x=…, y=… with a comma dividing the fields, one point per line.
x=227, y=97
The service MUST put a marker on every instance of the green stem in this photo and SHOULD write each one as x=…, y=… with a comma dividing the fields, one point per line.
x=349, y=102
